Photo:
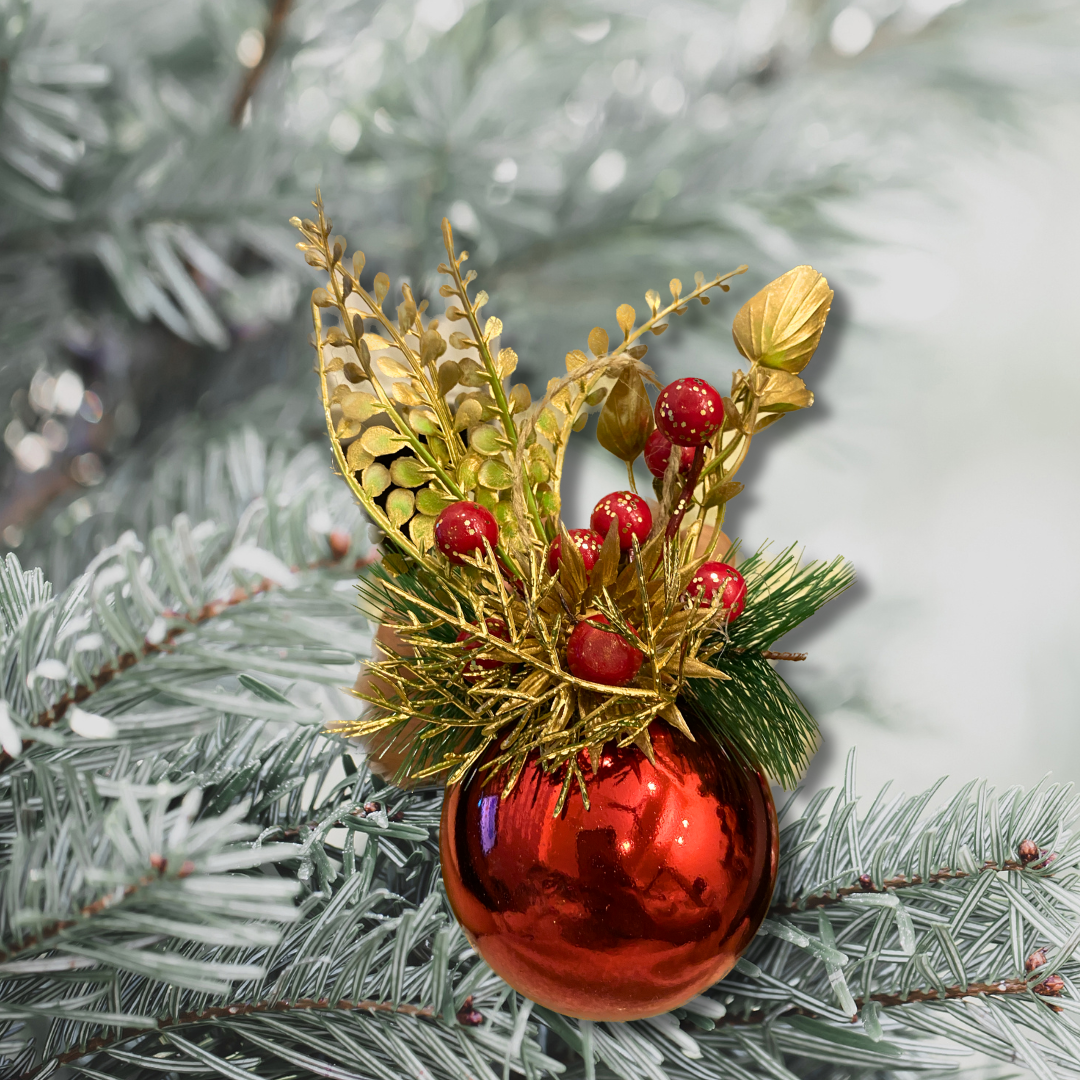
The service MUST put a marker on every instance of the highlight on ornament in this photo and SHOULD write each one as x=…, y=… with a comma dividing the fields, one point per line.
x=602, y=702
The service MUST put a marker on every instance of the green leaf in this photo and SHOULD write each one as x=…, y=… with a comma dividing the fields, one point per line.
x=381, y=441
x=486, y=440
x=375, y=479
x=399, y=506
x=429, y=501
x=408, y=472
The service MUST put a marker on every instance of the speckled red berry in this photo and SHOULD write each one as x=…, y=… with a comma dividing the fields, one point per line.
x=714, y=577
x=587, y=541
x=601, y=656
x=462, y=528
x=689, y=412
x=477, y=668
x=629, y=510
x=658, y=449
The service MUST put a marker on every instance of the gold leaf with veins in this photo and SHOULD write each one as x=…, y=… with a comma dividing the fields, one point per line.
x=780, y=327
x=626, y=418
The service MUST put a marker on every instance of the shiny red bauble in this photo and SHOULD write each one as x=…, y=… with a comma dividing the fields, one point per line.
x=630, y=511
x=587, y=541
x=658, y=449
x=689, y=412
x=629, y=908
x=476, y=669
x=713, y=577
x=601, y=656
x=461, y=529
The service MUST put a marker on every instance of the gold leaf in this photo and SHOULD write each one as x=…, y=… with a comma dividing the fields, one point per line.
x=431, y=502
x=765, y=421
x=432, y=346
x=625, y=316
x=493, y=327
x=358, y=261
x=695, y=669
x=598, y=341
x=675, y=718
x=393, y=368
x=357, y=458
x=382, y=287
x=720, y=494
x=559, y=398
x=422, y=531
x=467, y=470
x=347, y=429
x=575, y=359
x=381, y=440
x=733, y=417
x=399, y=506
x=547, y=425
x=605, y=571
x=472, y=374
x=572, y=574
x=449, y=376
x=375, y=479
x=676, y=287
x=408, y=472
x=495, y=475
x=652, y=298
x=781, y=326
x=486, y=440
x=469, y=413
x=423, y=422
x=626, y=418
x=520, y=398
x=375, y=342
x=353, y=372
x=580, y=422
x=406, y=394
x=784, y=392
x=355, y=404
x=335, y=363
x=508, y=362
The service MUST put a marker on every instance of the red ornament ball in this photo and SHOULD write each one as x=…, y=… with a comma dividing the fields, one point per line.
x=714, y=577
x=477, y=668
x=601, y=656
x=629, y=510
x=689, y=412
x=587, y=541
x=627, y=909
x=462, y=528
x=658, y=449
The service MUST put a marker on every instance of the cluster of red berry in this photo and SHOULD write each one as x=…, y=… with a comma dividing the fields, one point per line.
x=688, y=414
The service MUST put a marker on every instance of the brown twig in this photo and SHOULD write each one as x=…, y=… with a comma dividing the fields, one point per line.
x=865, y=885
x=228, y=1012
x=275, y=26
x=768, y=654
x=105, y=675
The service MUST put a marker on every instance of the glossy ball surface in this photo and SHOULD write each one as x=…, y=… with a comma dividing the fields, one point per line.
x=587, y=541
x=629, y=908
x=689, y=412
x=461, y=529
x=630, y=511
x=714, y=577
x=601, y=656
x=658, y=449
x=476, y=669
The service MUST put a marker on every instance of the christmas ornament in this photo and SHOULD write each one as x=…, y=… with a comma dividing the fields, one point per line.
x=658, y=449
x=626, y=908
x=628, y=511
x=607, y=857
x=464, y=530
x=689, y=412
x=601, y=656
x=718, y=578
x=587, y=541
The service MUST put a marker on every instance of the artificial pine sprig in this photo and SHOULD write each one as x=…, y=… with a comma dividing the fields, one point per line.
x=489, y=595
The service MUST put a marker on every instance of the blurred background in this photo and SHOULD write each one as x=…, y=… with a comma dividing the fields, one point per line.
x=921, y=153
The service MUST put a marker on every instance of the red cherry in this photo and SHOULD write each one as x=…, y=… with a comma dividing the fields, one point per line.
x=629, y=510
x=658, y=449
x=475, y=669
x=601, y=656
x=689, y=412
x=462, y=528
x=710, y=579
x=587, y=541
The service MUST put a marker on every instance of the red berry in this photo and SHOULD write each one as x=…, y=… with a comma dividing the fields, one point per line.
x=689, y=412
x=586, y=541
x=714, y=577
x=658, y=449
x=629, y=510
x=462, y=528
x=475, y=669
x=601, y=656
